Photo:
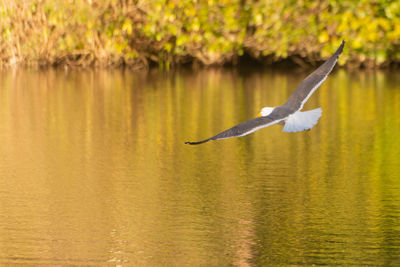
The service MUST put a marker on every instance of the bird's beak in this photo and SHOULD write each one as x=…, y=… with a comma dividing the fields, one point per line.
x=259, y=115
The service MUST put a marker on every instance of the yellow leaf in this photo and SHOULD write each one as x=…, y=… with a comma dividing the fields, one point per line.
x=323, y=37
x=127, y=26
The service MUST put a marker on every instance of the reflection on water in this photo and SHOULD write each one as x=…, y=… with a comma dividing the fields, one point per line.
x=93, y=170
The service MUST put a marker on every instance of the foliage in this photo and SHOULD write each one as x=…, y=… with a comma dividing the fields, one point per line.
x=134, y=32
x=74, y=32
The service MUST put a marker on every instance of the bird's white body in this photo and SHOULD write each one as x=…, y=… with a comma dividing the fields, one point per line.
x=298, y=121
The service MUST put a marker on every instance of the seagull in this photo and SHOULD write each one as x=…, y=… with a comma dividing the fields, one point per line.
x=288, y=114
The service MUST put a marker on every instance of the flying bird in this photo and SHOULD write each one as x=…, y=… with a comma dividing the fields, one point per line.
x=288, y=114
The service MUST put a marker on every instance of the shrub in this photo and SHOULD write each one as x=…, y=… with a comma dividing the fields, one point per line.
x=111, y=32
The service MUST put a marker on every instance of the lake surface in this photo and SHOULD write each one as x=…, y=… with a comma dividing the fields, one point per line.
x=94, y=170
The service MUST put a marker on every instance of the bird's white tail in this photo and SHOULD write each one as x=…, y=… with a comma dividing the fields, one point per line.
x=300, y=121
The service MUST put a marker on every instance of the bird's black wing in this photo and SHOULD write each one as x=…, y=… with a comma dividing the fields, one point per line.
x=249, y=127
x=312, y=82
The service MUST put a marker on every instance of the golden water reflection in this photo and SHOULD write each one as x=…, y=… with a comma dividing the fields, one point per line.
x=93, y=170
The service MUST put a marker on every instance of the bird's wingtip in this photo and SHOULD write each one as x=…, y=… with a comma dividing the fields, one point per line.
x=197, y=143
x=340, y=49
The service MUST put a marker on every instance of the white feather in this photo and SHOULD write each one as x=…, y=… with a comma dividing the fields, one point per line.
x=312, y=91
x=300, y=121
x=260, y=127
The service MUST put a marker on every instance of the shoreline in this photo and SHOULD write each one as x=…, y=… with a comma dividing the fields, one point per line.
x=291, y=62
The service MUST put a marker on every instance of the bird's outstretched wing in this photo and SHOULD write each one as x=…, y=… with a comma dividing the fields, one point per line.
x=241, y=129
x=307, y=87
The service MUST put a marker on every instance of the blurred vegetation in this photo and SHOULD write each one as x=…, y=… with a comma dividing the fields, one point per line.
x=136, y=33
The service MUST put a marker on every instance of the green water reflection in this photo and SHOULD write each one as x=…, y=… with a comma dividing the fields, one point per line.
x=93, y=170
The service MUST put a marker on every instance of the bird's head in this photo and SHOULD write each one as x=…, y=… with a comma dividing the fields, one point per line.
x=265, y=111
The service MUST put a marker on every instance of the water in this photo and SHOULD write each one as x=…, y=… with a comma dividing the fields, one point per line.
x=94, y=170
